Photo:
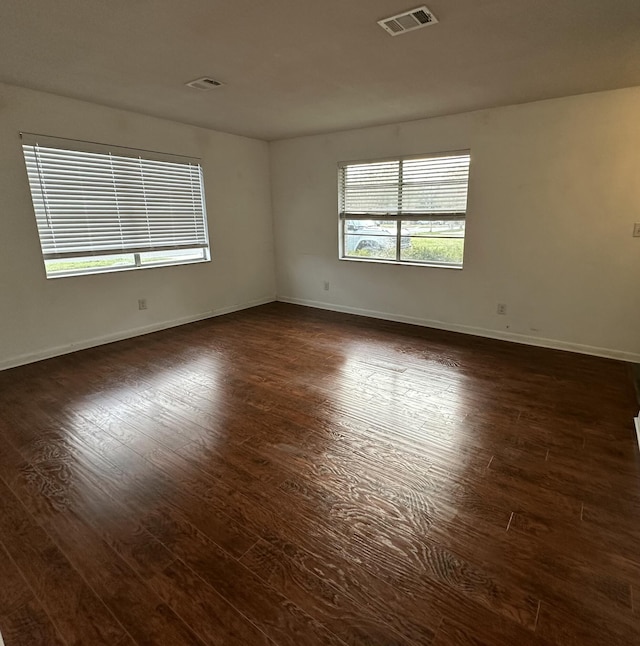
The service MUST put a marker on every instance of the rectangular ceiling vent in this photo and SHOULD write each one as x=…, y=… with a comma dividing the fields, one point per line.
x=204, y=83
x=408, y=21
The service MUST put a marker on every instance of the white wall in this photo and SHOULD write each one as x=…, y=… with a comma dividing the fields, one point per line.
x=40, y=317
x=554, y=192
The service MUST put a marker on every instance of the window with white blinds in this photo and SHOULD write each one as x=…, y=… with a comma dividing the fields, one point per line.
x=104, y=208
x=406, y=209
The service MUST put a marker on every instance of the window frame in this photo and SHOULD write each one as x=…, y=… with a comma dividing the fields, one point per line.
x=145, y=198
x=397, y=216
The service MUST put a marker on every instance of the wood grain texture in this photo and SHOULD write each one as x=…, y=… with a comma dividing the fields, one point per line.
x=22, y=618
x=286, y=476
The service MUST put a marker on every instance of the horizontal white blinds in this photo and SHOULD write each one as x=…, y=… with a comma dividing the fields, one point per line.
x=426, y=187
x=91, y=203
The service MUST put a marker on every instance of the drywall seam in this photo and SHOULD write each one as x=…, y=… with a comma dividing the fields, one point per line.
x=126, y=334
x=467, y=329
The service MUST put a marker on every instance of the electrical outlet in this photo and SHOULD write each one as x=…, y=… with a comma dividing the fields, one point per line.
x=636, y=230
x=501, y=309
x=142, y=303
x=326, y=285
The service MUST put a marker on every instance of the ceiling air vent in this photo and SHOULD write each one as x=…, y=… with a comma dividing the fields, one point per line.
x=408, y=21
x=204, y=83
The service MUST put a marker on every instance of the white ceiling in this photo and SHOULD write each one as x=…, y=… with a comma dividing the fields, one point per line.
x=297, y=67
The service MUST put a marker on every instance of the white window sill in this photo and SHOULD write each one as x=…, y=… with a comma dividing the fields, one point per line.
x=114, y=270
x=405, y=263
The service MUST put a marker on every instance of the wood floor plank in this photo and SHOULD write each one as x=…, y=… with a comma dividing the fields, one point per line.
x=284, y=476
x=224, y=574
x=23, y=620
x=207, y=613
x=152, y=514
x=576, y=626
x=489, y=633
x=138, y=611
x=578, y=539
x=402, y=554
x=76, y=611
x=161, y=458
x=559, y=577
x=265, y=523
x=282, y=619
x=334, y=607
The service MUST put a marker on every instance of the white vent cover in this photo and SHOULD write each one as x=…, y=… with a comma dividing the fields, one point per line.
x=408, y=21
x=204, y=83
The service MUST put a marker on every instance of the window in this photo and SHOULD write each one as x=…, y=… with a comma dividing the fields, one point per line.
x=405, y=210
x=101, y=208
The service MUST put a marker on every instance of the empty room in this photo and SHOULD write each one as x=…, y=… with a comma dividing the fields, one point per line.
x=319, y=323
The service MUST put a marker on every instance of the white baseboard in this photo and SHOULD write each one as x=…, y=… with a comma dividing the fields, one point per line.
x=56, y=351
x=475, y=331
x=637, y=423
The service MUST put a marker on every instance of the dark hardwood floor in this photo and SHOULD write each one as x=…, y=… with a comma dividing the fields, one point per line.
x=303, y=478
